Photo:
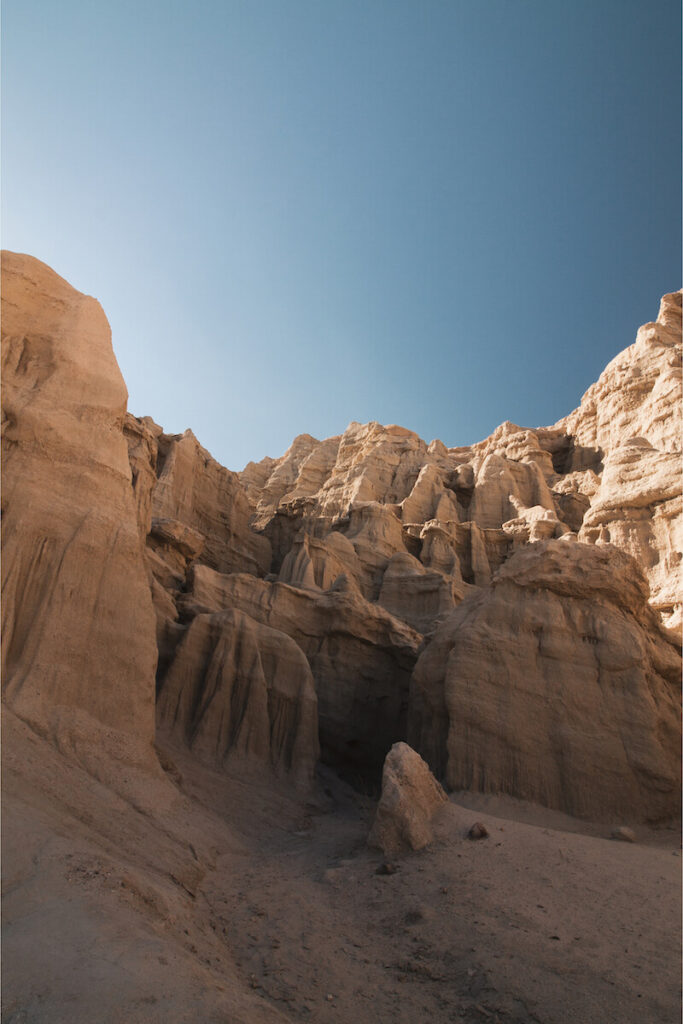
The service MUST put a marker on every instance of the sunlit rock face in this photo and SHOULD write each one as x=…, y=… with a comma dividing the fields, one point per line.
x=632, y=417
x=500, y=606
x=78, y=622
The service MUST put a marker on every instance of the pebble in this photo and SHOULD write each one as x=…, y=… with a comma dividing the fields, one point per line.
x=624, y=835
x=478, y=831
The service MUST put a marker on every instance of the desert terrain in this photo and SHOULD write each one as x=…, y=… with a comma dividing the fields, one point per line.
x=228, y=698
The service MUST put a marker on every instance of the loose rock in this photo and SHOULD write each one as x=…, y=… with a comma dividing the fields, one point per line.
x=623, y=834
x=478, y=831
x=411, y=796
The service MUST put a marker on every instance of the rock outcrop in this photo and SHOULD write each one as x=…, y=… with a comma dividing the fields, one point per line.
x=300, y=593
x=182, y=643
x=631, y=419
x=361, y=657
x=410, y=798
x=555, y=684
x=239, y=691
x=78, y=623
x=610, y=472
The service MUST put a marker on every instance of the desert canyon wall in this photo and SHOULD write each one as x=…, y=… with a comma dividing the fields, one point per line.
x=78, y=620
x=511, y=609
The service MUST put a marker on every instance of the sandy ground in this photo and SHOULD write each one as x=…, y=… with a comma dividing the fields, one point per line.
x=249, y=903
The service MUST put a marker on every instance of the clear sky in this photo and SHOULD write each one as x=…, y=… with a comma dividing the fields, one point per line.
x=296, y=213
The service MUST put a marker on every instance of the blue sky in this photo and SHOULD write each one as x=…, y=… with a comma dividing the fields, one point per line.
x=296, y=213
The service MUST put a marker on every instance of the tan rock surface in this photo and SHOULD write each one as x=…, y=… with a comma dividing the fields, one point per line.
x=503, y=488
x=638, y=508
x=237, y=690
x=415, y=595
x=78, y=624
x=375, y=532
x=129, y=897
x=142, y=438
x=410, y=798
x=374, y=464
x=361, y=657
x=197, y=491
x=515, y=487
x=314, y=562
x=555, y=685
x=638, y=394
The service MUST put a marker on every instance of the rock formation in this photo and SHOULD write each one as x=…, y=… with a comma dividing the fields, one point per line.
x=554, y=684
x=410, y=798
x=296, y=597
x=78, y=624
x=631, y=419
x=361, y=657
x=238, y=690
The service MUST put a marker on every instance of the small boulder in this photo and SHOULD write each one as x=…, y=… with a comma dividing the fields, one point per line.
x=386, y=869
x=478, y=831
x=624, y=835
x=410, y=798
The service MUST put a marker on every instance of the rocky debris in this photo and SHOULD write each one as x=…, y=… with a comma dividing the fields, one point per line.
x=410, y=798
x=623, y=834
x=555, y=685
x=78, y=622
x=478, y=831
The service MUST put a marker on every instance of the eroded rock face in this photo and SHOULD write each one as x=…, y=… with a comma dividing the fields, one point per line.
x=632, y=417
x=361, y=658
x=555, y=684
x=239, y=691
x=198, y=492
x=414, y=594
x=410, y=798
x=506, y=563
x=606, y=472
x=638, y=508
x=78, y=624
x=638, y=392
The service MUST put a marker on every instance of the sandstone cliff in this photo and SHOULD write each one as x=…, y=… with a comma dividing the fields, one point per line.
x=555, y=684
x=506, y=607
x=78, y=624
x=294, y=600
